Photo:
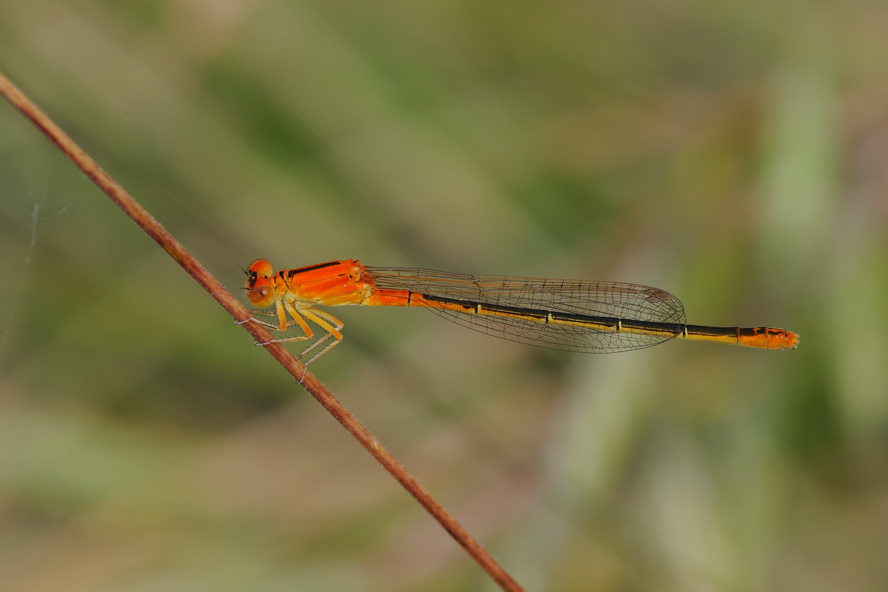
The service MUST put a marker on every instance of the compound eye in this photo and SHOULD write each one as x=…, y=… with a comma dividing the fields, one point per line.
x=261, y=296
x=261, y=268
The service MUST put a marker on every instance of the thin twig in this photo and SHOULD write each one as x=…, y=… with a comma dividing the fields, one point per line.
x=141, y=217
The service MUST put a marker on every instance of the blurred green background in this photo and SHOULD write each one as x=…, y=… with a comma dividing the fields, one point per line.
x=732, y=153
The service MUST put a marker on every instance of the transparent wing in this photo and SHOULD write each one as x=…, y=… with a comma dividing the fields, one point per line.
x=609, y=300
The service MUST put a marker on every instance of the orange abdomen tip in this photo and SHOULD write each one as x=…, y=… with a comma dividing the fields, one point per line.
x=790, y=340
x=767, y=338
x=780, y=338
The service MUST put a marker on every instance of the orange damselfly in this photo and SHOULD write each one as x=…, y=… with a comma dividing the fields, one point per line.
x=573, y=315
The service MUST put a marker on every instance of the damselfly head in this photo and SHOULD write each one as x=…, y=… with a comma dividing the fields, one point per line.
x=260, y=287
